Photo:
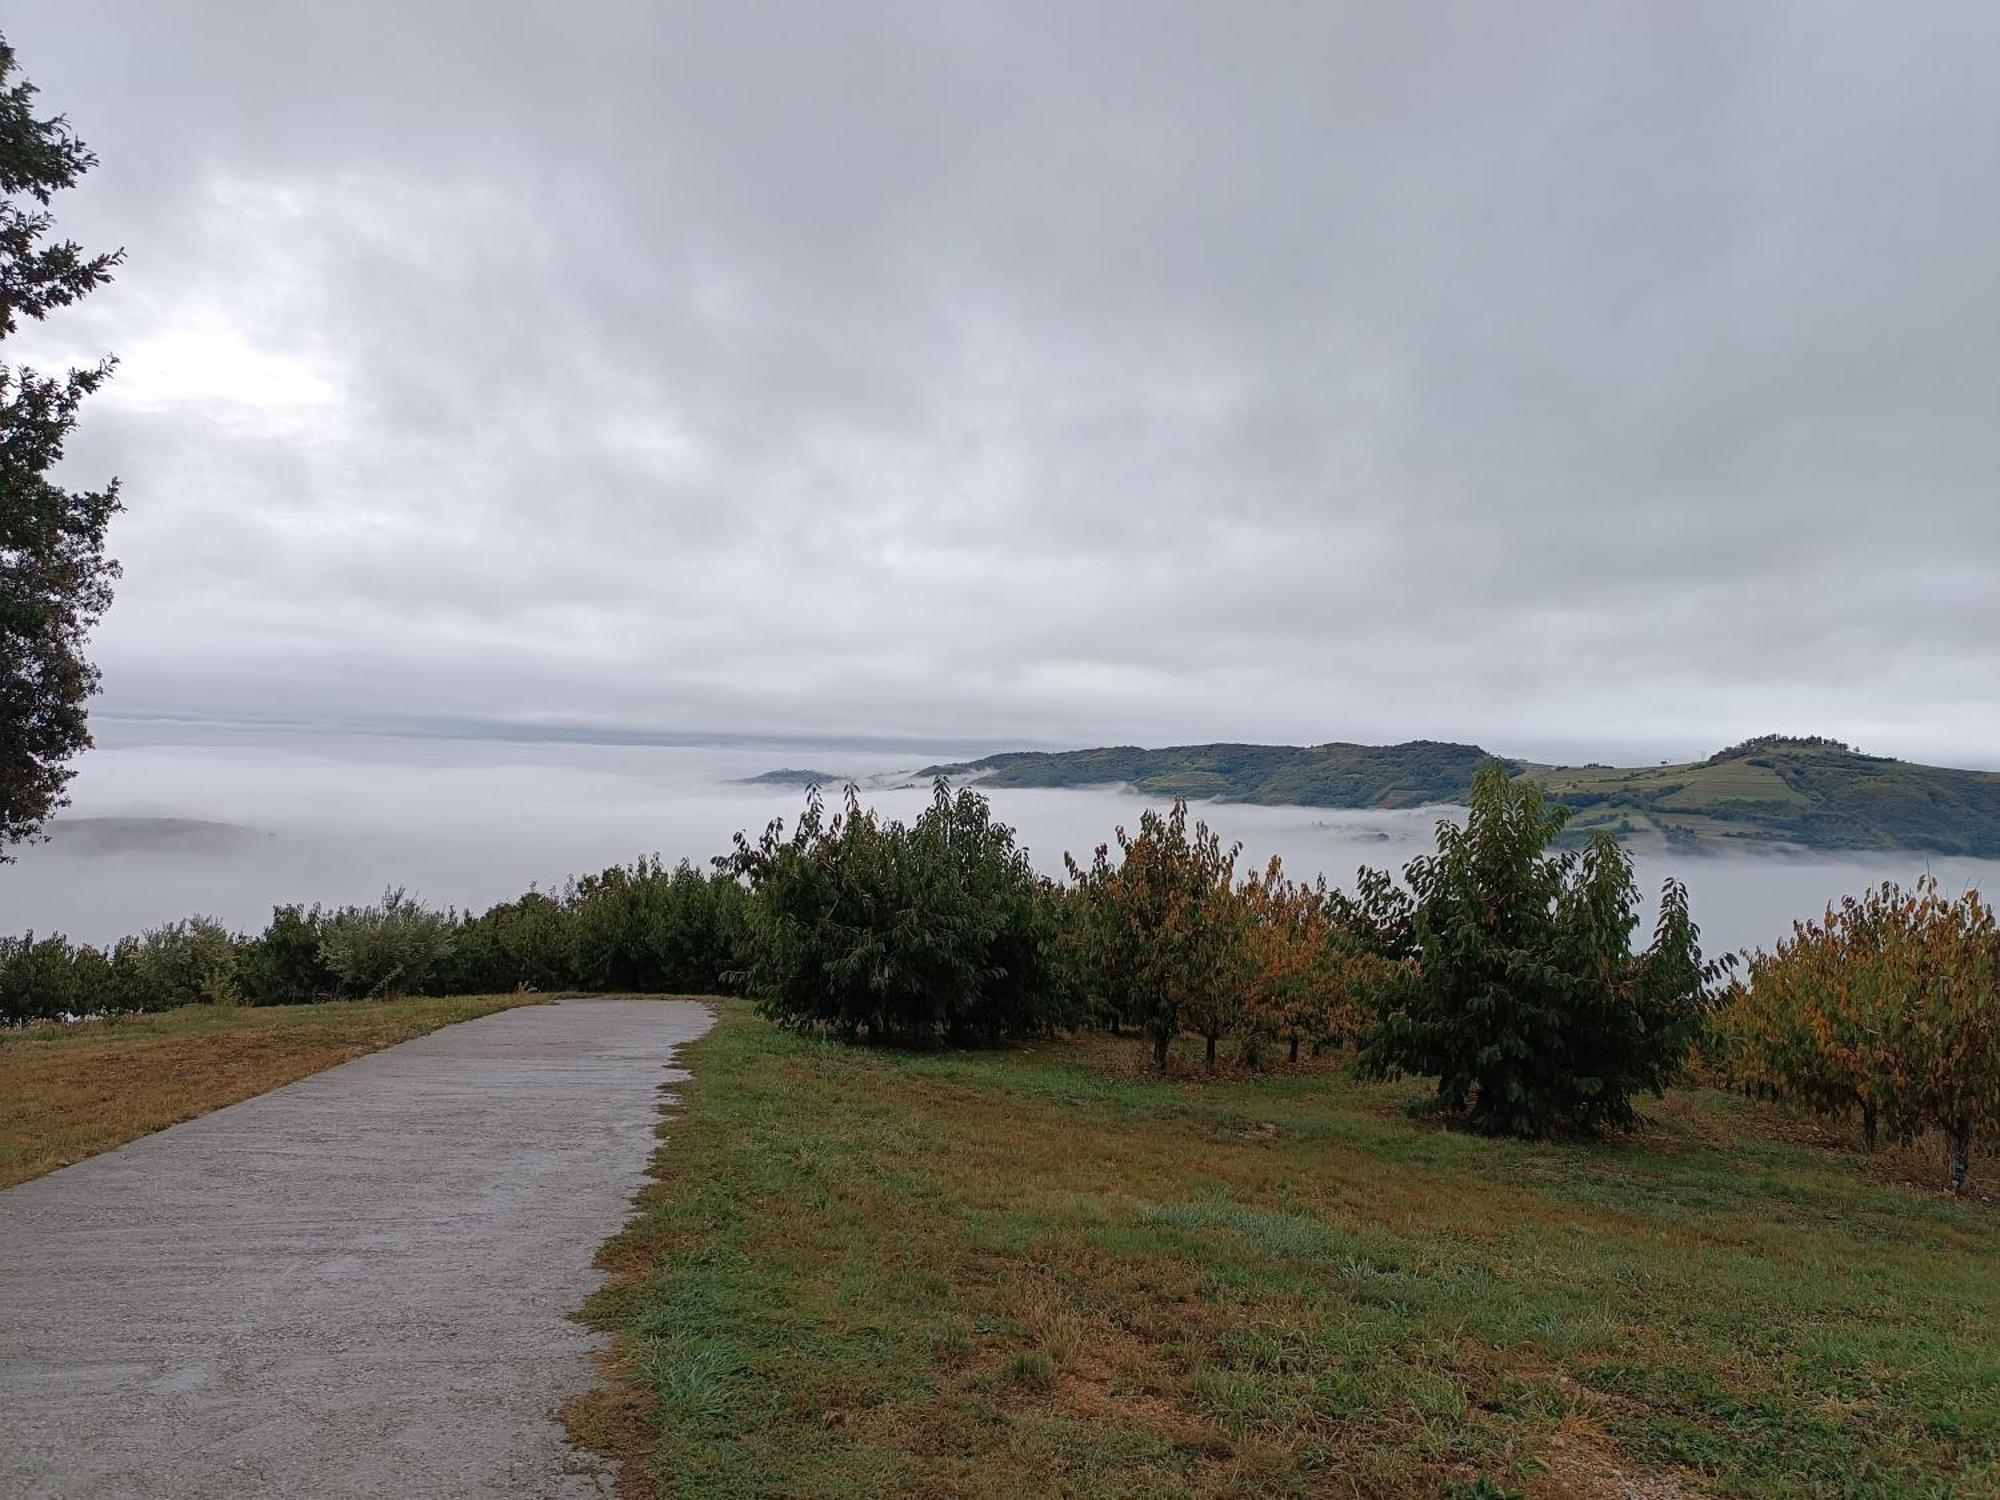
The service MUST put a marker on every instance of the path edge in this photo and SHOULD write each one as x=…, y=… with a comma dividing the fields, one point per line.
x=614, y=1421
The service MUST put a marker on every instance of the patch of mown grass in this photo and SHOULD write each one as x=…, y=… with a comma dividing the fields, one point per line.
x=1035, y=1273
x=68, y=1092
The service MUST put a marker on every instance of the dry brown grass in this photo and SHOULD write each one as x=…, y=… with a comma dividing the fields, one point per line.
x=68, y=1092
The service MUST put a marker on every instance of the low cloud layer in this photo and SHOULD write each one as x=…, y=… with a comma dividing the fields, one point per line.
x=1610, y=380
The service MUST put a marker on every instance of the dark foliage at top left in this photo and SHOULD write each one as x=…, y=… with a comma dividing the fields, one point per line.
x=55, y=581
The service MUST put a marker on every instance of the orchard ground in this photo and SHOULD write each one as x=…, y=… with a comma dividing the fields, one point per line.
x=1032, y=1271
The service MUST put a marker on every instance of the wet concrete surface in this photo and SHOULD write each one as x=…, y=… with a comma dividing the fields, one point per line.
x=358, y=1285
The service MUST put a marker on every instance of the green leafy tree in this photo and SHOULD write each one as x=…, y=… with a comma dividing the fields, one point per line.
x=867, y=927
x=646, y=926
x=1528, y=1003
x=43, y=979
x=283, y=964
x=55, y=581
x=535, y=936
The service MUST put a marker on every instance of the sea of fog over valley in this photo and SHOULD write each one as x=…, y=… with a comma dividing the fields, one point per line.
x=336, y=817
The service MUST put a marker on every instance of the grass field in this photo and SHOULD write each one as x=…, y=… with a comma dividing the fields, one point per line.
x=67, y=1092
x=1034, y=1273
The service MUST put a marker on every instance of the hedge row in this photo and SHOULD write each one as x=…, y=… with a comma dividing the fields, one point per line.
x=644, y=927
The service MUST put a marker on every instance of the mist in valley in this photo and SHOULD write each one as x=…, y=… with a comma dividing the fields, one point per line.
x=168, y=821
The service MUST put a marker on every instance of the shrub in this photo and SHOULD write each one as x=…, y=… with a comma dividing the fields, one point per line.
x=870, y=928
x=1528, y=1004
x=284, y=965
x=387, y=949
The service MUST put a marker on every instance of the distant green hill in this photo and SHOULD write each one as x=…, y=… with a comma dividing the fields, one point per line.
x=1406, y=775
x=791, y=776
x=1776, y=789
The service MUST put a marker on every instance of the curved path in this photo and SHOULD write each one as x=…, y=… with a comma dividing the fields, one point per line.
x=357, y=1285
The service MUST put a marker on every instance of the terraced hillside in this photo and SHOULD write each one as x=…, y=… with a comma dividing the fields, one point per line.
x=1774, y=790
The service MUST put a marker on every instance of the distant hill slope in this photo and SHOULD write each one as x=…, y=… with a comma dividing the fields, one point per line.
x=1406, y=775
x=1773, y=790
x=792, y=776
x=149, y=836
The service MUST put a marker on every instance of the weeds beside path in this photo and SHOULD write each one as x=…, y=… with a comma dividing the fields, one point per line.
x=68, y=1092
x=1034, y=1273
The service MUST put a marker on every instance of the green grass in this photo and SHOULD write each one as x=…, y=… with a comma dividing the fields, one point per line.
x=1035, y=1273
x=71, y=1091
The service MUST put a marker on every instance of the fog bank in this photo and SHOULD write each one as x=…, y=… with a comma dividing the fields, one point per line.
x=466, y=822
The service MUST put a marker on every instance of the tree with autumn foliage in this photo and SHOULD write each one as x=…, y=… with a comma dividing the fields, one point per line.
x=1777, y=1037
x=1306, y=980
x=1889, y=1006
x=1159, y=935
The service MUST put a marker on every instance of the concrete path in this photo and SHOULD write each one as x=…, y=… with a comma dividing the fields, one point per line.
x=355, y=1286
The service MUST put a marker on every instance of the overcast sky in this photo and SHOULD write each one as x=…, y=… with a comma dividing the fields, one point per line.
x=1584, y=379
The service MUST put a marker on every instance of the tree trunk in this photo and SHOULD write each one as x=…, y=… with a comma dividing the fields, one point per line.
x=1295, y=1047
x=1162, y=1038
x=1961, y=1153
x=1868, y=1123
x=1211, y=1052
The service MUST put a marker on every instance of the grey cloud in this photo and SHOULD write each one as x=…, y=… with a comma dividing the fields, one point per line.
x=1595, y=379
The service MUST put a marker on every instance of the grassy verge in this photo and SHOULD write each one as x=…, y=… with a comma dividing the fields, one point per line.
x=67, y=1092
x=1033, y=1273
